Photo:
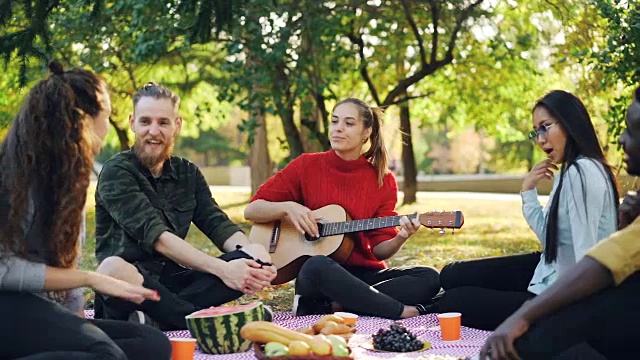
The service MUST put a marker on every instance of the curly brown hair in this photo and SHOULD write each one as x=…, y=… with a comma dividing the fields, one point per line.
x=46, y=162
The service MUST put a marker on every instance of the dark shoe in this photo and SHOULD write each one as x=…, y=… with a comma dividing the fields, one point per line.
x=304, y=305
x=425, y=309
x=139, y=317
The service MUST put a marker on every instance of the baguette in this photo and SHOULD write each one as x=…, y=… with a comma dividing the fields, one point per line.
x=264, y=332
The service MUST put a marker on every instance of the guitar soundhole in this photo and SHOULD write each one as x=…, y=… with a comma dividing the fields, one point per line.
x=313, y=238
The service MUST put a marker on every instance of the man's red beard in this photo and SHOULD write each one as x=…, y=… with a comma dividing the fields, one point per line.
x=151, y=161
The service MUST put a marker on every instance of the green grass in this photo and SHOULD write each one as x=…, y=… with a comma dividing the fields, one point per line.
x=492, y=228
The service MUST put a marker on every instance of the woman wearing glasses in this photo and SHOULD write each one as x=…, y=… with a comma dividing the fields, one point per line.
x=581, y=211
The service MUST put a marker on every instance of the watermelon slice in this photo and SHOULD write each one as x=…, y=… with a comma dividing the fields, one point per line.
x=217, y=329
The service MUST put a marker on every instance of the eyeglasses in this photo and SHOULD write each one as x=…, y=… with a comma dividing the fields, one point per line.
x=543, y=130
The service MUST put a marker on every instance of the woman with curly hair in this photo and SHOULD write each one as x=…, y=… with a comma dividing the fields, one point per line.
x=46, y=162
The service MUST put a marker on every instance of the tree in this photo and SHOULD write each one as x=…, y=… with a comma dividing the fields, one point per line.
x=431, y=29
x=125, y=40
x=619, y=57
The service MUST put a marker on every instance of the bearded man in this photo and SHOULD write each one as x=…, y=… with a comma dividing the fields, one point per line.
x=146, y=200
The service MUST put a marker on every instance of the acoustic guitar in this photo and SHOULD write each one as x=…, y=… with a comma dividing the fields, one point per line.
x=289, y=249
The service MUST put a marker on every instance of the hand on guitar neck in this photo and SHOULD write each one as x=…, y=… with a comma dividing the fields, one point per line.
x=289, y=247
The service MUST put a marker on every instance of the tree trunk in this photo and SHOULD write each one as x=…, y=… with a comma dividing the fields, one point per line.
x=123, y=137
x=410, y=185
x=259, y=159
x=313, y=138
x=285, y=105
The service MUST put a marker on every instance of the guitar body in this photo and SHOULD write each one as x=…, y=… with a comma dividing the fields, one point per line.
x=289, y=249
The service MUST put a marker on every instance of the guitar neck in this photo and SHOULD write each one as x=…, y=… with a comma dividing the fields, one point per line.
x=345, y=227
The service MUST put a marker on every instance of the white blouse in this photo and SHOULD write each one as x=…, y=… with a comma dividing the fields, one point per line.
x=586, y=215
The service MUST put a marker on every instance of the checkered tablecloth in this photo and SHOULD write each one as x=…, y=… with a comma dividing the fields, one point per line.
x=425, y=327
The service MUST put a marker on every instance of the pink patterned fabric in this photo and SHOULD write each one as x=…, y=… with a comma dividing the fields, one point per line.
x=425, y=327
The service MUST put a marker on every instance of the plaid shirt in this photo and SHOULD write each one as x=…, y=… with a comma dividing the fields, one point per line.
x=133, y=208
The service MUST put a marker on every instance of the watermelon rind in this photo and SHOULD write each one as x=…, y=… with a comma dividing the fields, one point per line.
x=217, y=329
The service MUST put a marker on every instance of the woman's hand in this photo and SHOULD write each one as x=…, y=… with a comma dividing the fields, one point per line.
x=113, y=287
x=408, y=227
x=540, y=171
x=301, y=218
x=499, y=345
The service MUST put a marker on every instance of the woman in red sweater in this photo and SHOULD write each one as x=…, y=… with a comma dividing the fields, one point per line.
x=362, y=185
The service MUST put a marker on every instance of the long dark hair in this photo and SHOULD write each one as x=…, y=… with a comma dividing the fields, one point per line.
x=372, y=118
x=46, y=162
x=581, y=141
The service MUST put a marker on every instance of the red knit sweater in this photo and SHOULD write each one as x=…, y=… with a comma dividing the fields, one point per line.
x=319, y=179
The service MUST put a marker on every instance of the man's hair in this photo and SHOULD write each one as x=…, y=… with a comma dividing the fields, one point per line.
x=156, y=91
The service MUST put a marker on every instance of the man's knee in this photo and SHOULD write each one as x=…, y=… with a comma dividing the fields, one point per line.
x=256, y=251
x=118, y=268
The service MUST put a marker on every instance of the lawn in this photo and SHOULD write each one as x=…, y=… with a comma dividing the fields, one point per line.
x=493, y=227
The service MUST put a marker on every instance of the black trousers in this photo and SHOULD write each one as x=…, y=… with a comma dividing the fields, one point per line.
x=366, y=291
x=34, y=328
x=182, y=291
x=608, y=321
x=486, y=291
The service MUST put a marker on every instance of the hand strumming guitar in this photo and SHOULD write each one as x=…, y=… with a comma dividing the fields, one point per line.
x=301, y=218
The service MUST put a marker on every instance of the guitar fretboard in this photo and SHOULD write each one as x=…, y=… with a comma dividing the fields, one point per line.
x=345, y=227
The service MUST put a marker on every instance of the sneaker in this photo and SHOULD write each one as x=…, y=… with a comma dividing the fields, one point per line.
x=304, y=305
x=140, y=317
x=423, y=310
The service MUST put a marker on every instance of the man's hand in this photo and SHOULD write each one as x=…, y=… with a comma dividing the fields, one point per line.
x=629, y=209
x=499, y=345
x=247, y=275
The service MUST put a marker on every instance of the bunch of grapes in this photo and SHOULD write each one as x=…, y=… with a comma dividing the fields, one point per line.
x=397, y=339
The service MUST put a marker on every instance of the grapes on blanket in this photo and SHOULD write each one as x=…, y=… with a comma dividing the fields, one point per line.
x=397, y=339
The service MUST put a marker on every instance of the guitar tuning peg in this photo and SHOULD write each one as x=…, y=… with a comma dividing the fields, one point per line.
x=441, y=232
x=431, y=230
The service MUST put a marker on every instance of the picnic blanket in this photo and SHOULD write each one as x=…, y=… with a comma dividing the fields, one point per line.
x=425, y=327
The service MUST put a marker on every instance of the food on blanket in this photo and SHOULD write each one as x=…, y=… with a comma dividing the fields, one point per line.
x=330, y=324
x=307, y=330
x=339, y=344
x=330, y=327
x=397, y=338
x=337, y=340
x=218, y=328
x=265, y=332
x=298, y=344
x=275, y=349
x=322, y=322
x=320, y=345
x=299, y=348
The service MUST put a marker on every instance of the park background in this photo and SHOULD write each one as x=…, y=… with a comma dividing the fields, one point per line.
x=258, y=80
